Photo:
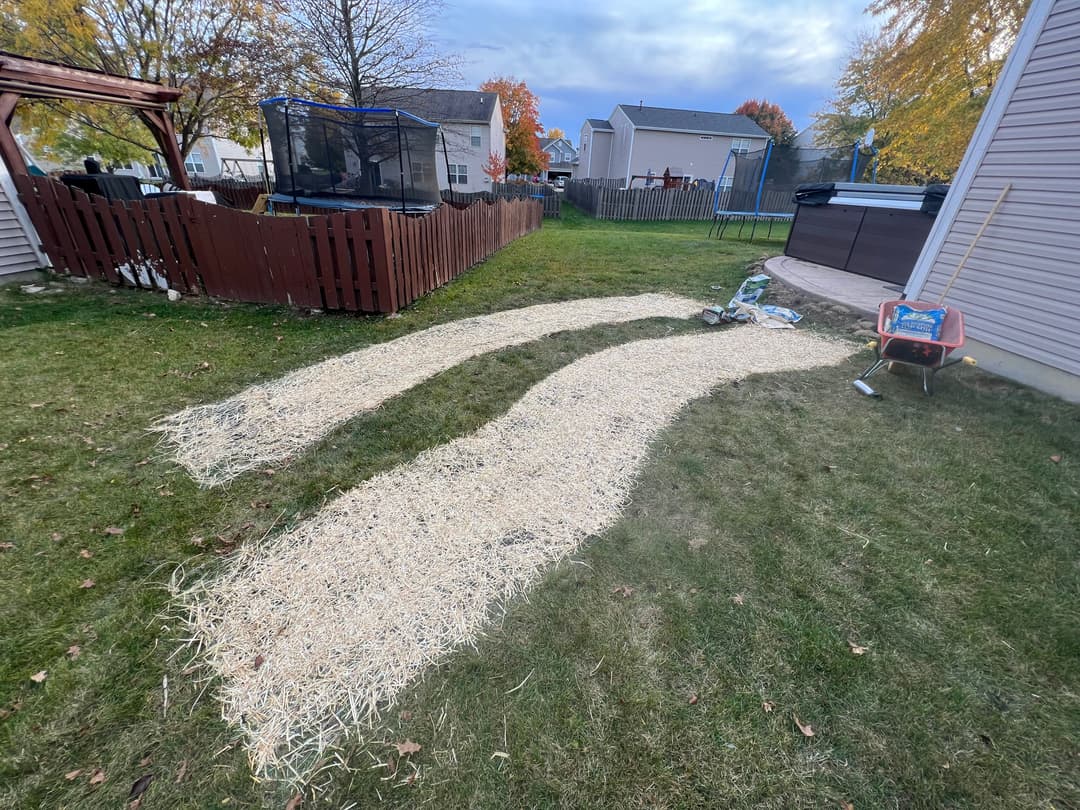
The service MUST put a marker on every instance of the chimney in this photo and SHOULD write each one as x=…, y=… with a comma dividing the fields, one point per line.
x=641, y=103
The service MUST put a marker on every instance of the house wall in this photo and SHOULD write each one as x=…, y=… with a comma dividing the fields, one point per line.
x=460, y=150
x=18, y=240
x=595, y=152
x=682, y=153
x=230, y=159
x=1020, y=288
x=622, y=142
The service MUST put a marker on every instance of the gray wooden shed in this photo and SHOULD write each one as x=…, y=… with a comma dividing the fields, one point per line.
x=1020, y=288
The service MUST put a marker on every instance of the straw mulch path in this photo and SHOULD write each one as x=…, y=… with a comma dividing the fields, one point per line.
x=315, y=633
x=272, y=421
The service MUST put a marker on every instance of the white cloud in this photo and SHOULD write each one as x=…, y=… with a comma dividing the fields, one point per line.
x=706, y=55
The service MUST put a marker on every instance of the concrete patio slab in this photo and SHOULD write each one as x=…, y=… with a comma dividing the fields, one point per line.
x=858, y=293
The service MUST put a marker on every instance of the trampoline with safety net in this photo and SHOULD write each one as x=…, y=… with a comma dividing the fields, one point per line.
x=336, y=157
x=759, y=187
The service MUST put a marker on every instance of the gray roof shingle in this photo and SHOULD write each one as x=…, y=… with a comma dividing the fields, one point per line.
x=692, y=121
x=601, y=124
x=442, y=106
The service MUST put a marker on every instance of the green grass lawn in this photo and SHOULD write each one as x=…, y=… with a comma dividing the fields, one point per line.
x=781, y=521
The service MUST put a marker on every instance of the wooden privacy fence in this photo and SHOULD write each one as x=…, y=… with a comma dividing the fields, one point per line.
x=600, y=200
x=240, y=194
x=552, y=200
x=371, y=260
x=641, y=203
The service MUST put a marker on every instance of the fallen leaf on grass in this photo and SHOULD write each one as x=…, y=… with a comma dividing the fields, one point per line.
x=86, y=553
x=145, y=761
x=295, y=802
x=738, y=599
x=407, y=747
x=39, y=677
x=624, y=590
x=114, y=530
x=406, y=716
x=87, y=583
x=73, y=774
x=6, y=546
x=849, y=806
x=260, y=659
x=807, y=729
x=767, y=706
x=140, y=786
x=1056, y=458
x=181, y=772
x=693, y=700
x=74, y=651
x=197, y=541
x=142, y=463
x=855, y=648
x=57, y=537
x=97, y=777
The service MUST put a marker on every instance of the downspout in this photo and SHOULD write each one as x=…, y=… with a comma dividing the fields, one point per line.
x=630, y=154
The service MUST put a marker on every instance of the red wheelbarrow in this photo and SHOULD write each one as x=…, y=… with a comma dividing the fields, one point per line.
x=929, y=355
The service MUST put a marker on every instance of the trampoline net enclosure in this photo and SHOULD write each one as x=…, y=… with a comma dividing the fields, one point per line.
x=349, y=157
x=785, y=168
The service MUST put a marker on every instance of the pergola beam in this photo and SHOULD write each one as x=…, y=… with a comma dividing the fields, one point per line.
x=21, y=76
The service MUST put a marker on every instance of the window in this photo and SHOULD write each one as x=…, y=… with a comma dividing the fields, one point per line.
x=475, y=138
x=194, y=163
x=740, y=146
x=420, y=171
x=459, y=173
x=704, y=137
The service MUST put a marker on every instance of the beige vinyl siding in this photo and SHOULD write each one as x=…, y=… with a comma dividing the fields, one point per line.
x=17, y=255
x=1020, y=289
x=599, y=154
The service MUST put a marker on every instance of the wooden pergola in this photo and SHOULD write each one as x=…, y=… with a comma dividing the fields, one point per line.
x=22, y=77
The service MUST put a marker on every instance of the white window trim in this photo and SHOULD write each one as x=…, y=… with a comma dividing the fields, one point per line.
x=458, y=174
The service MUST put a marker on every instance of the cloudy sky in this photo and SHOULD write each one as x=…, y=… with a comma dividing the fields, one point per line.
x=584, y=57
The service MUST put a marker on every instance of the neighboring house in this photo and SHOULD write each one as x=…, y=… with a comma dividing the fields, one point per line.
x=691, y=144
x=1020, y=288
x=561, y=156
x=594, y=155
x=472, y=122
x=212, y=157
x=20, y=248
